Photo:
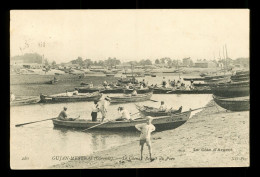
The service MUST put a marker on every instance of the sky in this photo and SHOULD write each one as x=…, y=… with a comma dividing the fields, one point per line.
x=64, y=35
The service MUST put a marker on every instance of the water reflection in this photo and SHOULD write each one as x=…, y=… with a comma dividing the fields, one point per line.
x=43, y=140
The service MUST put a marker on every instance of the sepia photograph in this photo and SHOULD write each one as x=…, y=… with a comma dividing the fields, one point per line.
x=115, y=89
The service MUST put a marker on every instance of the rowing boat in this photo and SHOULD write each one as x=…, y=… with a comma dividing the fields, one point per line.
x=155, y=112
x=87, y=89
x=231, y=89
x=161, y=123
x=72, y=98
x=198, y=90
x=139, y=91
x=129, y=98
x=25, y=100
x=233, y=104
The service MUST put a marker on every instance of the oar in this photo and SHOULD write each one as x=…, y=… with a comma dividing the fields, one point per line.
x=18, y=125
x=154, y=100
x=95, y=126
x=194, y=110
x=134, y=113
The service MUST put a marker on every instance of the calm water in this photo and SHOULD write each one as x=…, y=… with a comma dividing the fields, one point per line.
x=41, y=141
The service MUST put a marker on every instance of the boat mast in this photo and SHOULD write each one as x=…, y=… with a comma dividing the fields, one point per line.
x=226, y=54
x=220, y=59
x=224, y=60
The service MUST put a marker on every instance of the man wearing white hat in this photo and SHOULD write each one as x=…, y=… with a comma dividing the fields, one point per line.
x=103, y=104
x=145, y=137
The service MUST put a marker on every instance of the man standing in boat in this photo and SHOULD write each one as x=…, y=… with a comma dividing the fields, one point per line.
x=94, y=111
x=145, y=137
x=103, y=104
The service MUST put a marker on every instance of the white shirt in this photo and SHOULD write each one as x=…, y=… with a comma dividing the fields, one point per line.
x=103, y=104
x=163, y=107
x=68, y=94
x=125, y=114
x=146, y=130
x=94, y=108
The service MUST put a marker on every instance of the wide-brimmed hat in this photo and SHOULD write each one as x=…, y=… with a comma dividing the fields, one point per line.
x=148, y=118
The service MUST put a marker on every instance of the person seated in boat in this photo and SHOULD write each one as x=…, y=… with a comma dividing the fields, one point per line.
x=134, y=93
x=91, y=85
x=163, y=107
x=94, y=111
x=68, y=93
x=76, y=92
x=173, y=83
x=125, y=116
x=146, y=129
x=105, y=84
x=103, y=105
x=178, y=85
x=141, y=87
x=12, y=97
x=63, y=115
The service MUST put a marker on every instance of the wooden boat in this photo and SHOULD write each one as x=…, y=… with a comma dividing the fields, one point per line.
x=153, y=75
x=88, y=89
x=25, y=100
x=231, y=89
x=194, y=79
x=239, y=78
x=139, y=91
x=112, y=90
x=57, y=98
x=201, y=85
x=196, y=90
x=161, y=123
x=126, y=81
x=50, y=82
x=233, y=104
x=242, y=72
x=129, y=98
x=218, y=80
x=217, y=76
x=110, y=75
x=155, y=112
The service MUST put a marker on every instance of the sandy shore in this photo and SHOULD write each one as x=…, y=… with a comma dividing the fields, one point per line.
x=213, y=137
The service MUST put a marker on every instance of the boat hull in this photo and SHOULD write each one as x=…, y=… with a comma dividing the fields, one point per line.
x=171, y=91
x=161, y=123
x=73, y=98
x=232, y=90
x=126, y=99
x=237, y=104
x=139, y=91
x=19, y=101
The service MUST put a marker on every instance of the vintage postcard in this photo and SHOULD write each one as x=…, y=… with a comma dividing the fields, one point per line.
x=94, y=89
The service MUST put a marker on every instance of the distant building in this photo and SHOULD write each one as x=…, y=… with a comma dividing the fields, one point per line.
x=187, y=62
x=30, y=61
x=241, y=62
x=205, y=64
